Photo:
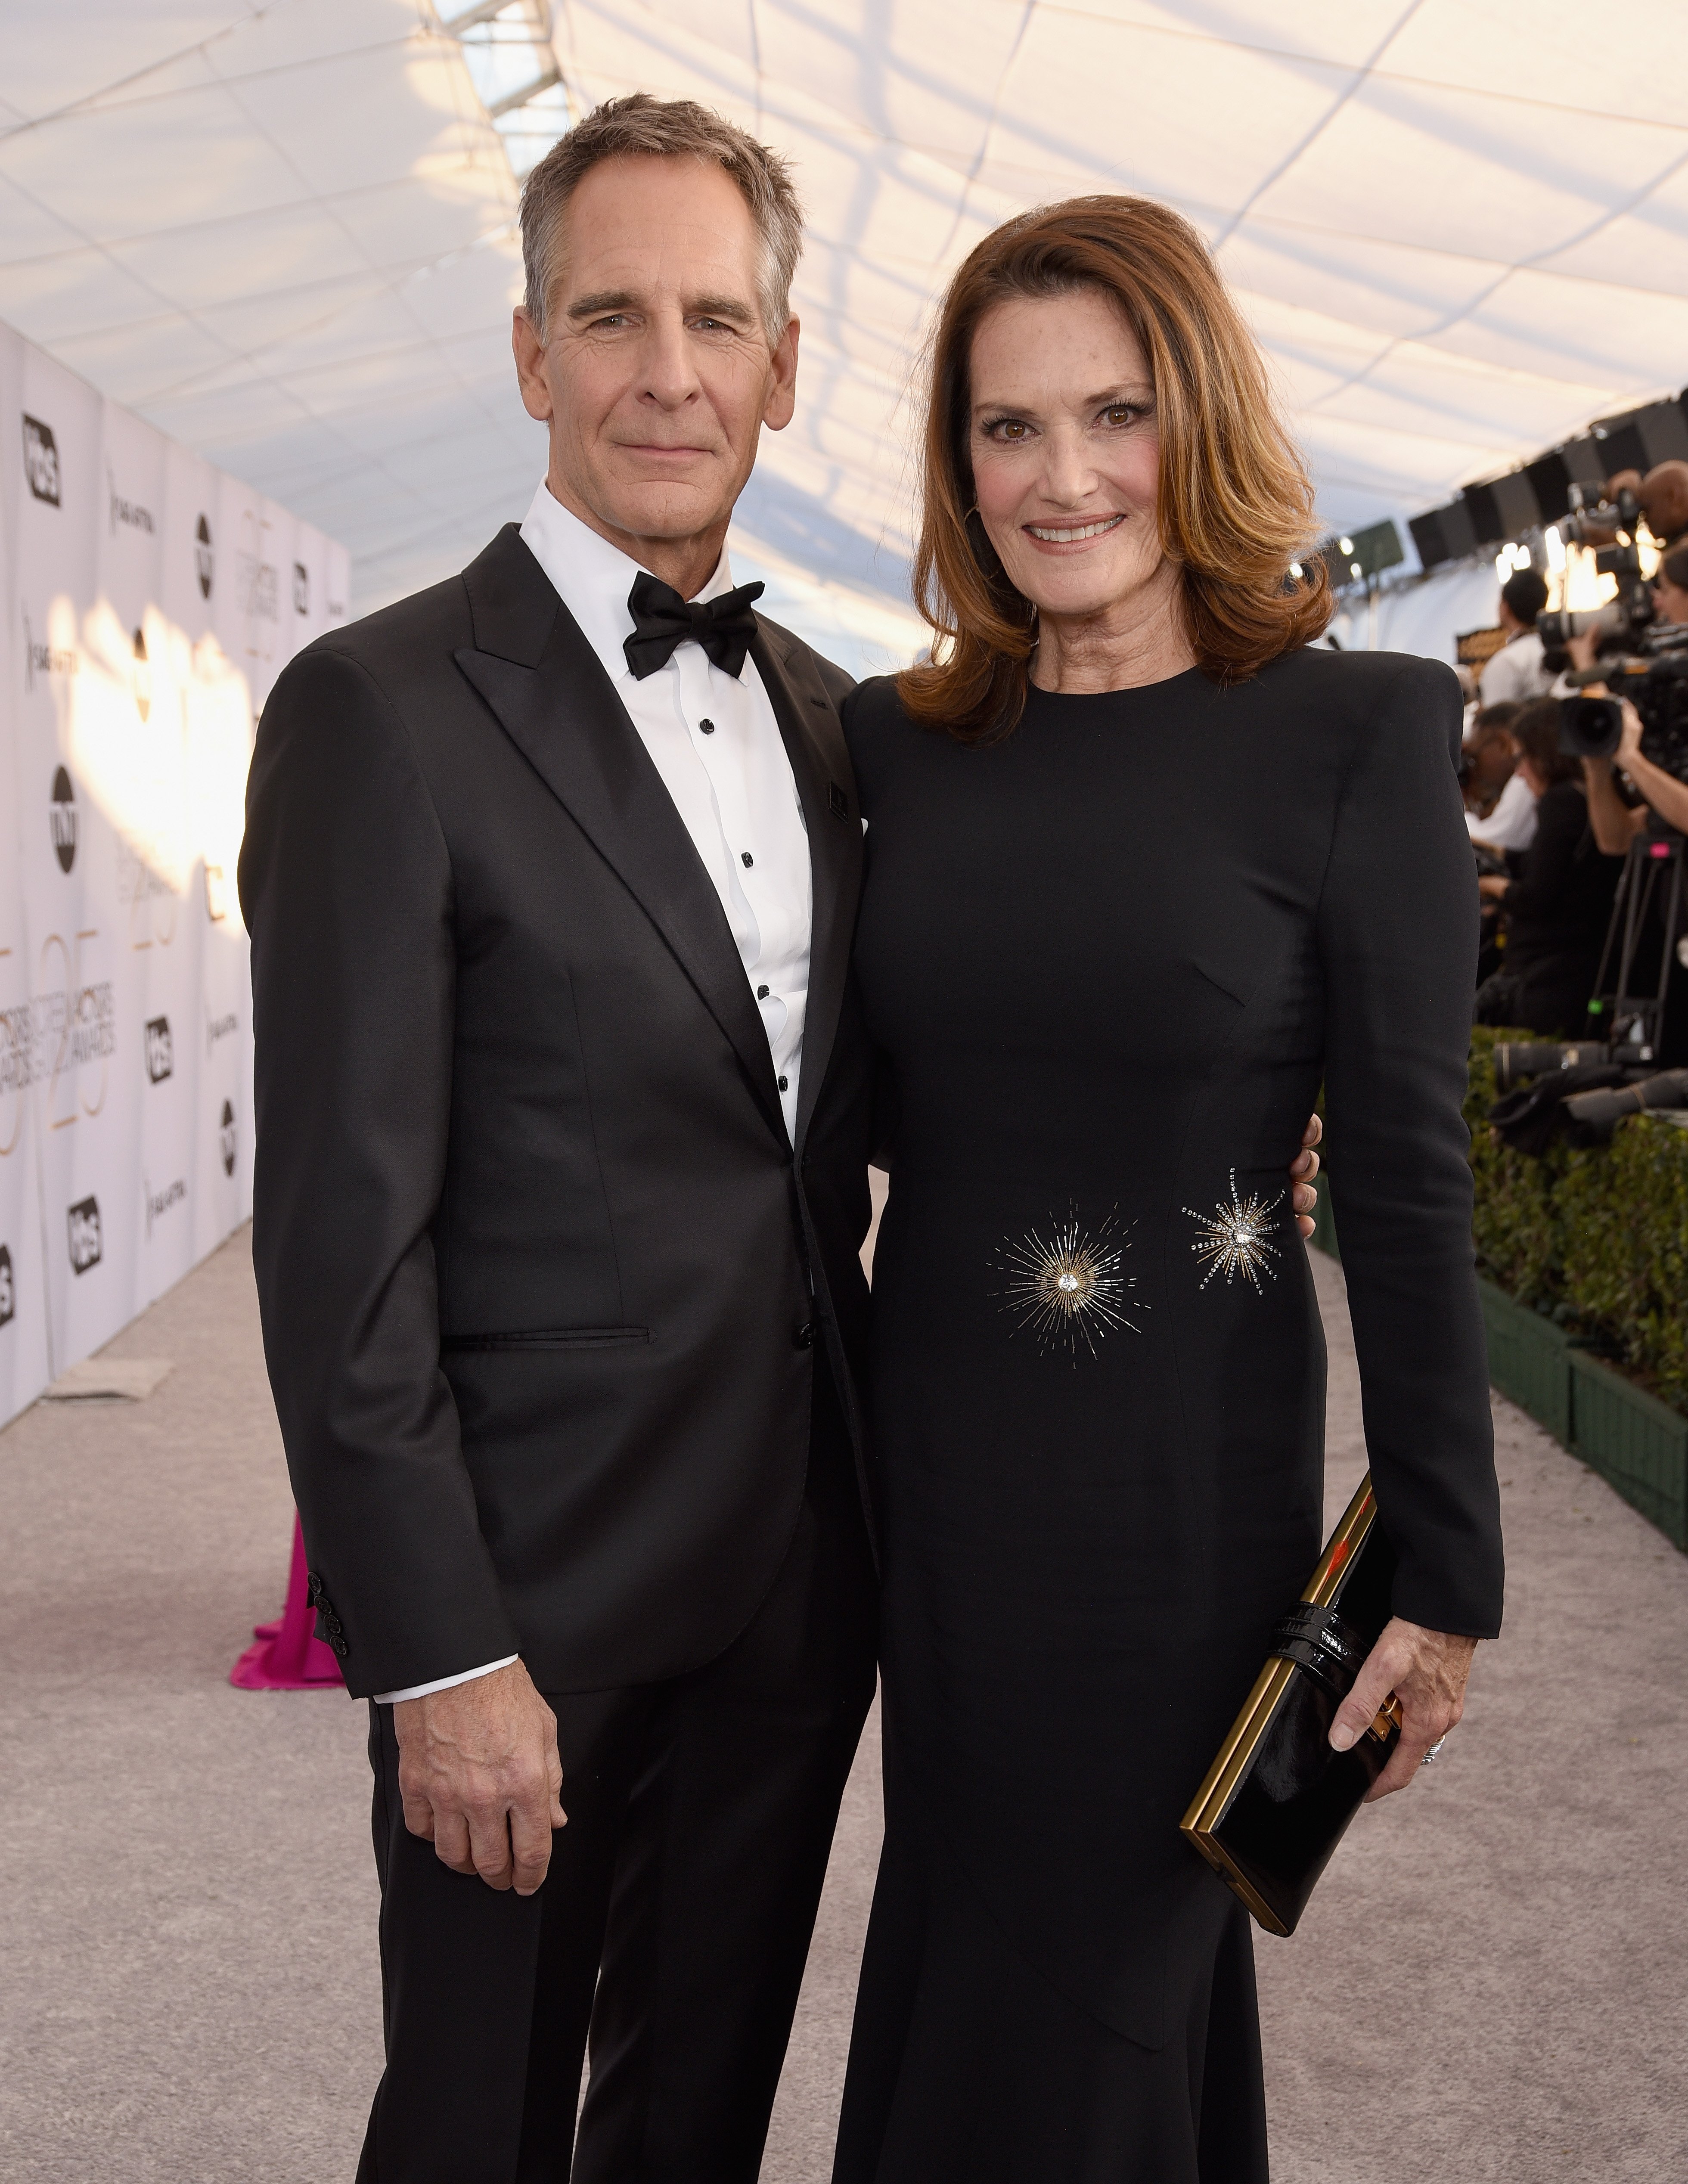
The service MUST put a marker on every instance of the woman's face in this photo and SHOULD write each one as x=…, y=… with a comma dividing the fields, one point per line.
x=1066, y=453
x=1670, y=600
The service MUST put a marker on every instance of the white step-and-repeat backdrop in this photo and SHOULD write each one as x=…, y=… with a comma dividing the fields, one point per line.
x=150, y=603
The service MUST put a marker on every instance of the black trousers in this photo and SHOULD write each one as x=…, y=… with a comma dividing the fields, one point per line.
x=672, y=1926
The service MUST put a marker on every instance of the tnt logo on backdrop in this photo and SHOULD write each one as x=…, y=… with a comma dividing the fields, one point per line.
x=41, y=460
x=61, y=817
x=84, y=1219
x=301, y=589
x=160, y=1051
x=9, y=1295
x=204, y=558
x=226, y=1138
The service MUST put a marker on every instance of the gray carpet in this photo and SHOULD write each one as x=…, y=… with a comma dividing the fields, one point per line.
x=1489, y=1985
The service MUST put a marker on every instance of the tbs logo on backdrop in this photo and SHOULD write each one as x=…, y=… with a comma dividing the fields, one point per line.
x=9, y=1294
x=84, y=1219
x=41, y=459
x=160, y=1051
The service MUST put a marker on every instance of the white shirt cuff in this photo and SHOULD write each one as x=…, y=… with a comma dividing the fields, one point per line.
x=444, y=1683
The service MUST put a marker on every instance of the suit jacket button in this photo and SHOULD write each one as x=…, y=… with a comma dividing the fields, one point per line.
x=805, y=1337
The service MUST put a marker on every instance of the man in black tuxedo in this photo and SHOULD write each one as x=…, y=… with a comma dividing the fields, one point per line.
x=550, y=873
x=562, y=1103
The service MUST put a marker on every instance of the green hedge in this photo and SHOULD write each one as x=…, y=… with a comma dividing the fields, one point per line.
x=1598, y=1240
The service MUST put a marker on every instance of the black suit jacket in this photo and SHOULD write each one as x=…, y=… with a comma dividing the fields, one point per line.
x=541, y=1275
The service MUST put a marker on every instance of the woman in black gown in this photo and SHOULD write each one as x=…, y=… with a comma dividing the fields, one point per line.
x=1142, y=871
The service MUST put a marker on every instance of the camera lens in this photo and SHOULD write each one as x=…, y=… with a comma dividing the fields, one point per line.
x=1590, y=727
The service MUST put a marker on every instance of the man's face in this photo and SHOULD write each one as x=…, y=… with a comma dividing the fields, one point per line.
x=657, y=376
x=1493, y=761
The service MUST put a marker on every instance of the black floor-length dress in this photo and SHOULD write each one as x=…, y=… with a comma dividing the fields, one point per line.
x=1107, y=962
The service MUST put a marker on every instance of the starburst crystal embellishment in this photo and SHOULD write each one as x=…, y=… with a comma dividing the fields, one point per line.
x=1069, y=1288
x=1236, y=1238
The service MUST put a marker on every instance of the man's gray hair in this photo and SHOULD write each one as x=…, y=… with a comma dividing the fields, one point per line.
x=641, y=127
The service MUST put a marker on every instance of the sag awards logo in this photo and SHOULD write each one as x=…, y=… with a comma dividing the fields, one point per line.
x=301, y=589
x=217, y=1027
x=204, y=559
x=84, y=1219
x=225, y=1138
x=160, y=1053
x=260, y=584
x=9, y=1295
x=69, y=1027
x=159, y=1202
x=61, y=817
x=41, y=659
x=128, y=513
x=41, y=460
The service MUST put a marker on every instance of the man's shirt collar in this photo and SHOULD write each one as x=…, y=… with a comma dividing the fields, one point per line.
x=593, y=578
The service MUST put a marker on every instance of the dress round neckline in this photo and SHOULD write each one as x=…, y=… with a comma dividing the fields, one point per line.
x=1062, y=697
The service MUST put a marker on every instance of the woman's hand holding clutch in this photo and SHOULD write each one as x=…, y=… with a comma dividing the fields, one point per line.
x=1427, y=1671
x=1302, y=1170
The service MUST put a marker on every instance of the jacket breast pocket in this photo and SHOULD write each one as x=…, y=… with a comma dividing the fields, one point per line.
x=549, y=1338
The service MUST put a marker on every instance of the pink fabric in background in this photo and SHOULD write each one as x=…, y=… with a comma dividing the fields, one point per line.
x=288, y=1656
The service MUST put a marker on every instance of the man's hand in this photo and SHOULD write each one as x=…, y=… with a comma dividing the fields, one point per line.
x=1302, y=1170
x=1664, y=791
x=480, y=1779
x=1426, y=1670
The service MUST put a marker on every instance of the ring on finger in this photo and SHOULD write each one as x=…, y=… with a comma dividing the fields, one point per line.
x=1435, y=1752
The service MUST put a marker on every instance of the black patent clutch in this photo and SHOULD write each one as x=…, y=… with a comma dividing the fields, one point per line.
x=1277, y=1798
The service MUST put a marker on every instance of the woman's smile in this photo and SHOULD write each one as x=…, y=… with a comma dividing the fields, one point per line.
x=1049, y=534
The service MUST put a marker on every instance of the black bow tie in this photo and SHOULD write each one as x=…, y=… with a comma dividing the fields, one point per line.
x=662, y=619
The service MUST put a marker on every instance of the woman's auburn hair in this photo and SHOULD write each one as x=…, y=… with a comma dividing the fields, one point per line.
x=1235, y=505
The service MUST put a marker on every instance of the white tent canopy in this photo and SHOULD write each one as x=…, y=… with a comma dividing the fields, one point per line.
x=284, y=233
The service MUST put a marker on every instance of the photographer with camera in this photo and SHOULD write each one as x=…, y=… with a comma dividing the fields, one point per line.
x=1616, y=823
x=1515, y=673
x=1488, y=762
x=1557, y=912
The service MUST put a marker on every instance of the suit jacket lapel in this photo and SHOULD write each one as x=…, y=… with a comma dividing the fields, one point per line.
x=814, y=742
x=549, y=691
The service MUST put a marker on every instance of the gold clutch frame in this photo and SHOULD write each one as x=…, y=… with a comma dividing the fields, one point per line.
x=1213, y=1799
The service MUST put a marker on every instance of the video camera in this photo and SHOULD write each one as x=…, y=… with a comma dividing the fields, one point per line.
x=1655, y=683
x=1652, y=671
